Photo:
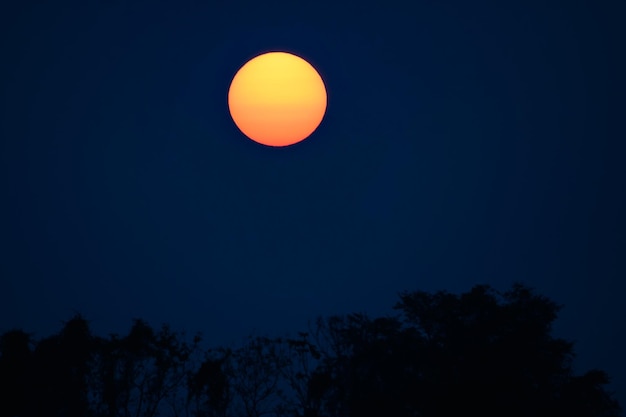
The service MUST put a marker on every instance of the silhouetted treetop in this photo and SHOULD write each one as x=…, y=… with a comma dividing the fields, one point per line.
x=483, y=353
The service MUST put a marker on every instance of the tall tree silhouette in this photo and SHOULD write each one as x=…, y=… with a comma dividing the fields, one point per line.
x=15, y=371
x=142, y=374
x=209, y=391
x=58, y=383
x=302, y=357
x=255, y=371
x=480, y=353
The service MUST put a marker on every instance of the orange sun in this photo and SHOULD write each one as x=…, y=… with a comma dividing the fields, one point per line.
x=277, y=99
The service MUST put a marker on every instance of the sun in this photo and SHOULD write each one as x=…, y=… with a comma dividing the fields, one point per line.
x=277, y=99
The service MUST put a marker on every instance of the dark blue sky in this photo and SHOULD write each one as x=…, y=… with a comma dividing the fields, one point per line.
x=464, y=143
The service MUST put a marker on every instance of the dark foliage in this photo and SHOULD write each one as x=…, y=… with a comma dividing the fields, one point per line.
x=478, y=353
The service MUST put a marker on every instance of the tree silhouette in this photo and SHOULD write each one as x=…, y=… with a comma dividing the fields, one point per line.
x=209, y=388
x=143, y=374
x=302, y=357
x=440, y=354
x=255, y=370
x=480, y=353
x=60, y=372
x=15, y=370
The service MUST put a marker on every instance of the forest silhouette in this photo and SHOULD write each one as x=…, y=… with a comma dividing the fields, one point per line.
x=480, y=353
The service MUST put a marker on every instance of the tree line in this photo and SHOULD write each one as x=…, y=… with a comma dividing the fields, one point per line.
x=481, y=353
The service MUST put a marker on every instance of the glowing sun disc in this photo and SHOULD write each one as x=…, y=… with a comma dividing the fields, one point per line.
x=277, y=99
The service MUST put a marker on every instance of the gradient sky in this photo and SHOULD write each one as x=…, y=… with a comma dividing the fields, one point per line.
x=464, y=143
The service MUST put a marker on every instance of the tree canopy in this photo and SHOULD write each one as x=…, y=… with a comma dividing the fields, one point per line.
x=440, y=354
